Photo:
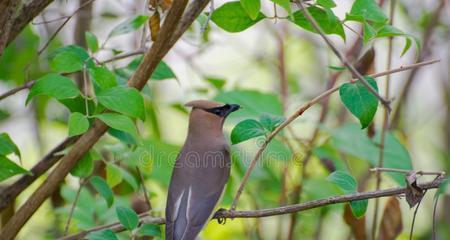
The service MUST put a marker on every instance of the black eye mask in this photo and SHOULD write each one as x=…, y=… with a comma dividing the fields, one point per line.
x=219, y=111
x=224, y=110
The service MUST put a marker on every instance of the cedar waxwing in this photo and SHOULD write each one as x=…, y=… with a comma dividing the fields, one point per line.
x=200, y=172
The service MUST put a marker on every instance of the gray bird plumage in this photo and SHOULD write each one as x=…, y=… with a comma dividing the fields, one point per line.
x=200, y=172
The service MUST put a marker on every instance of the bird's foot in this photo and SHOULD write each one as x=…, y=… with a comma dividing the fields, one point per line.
x=219, y=216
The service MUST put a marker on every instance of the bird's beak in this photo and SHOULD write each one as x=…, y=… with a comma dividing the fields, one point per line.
x=233, y=107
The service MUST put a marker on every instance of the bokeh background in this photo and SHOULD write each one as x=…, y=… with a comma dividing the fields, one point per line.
x=272, y=67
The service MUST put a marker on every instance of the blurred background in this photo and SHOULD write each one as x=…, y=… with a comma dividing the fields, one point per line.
x=273, y=67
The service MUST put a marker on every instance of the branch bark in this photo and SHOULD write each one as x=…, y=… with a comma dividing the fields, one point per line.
x=145, y=218
x=171, y=30
x=26, y=15
x=8, y=9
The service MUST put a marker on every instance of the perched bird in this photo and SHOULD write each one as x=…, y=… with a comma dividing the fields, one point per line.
x=200, y=172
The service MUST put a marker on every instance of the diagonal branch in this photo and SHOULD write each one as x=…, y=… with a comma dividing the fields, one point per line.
x=298, y=113
x=10, y=193
x=166, y=39
x=341, y=57
x=146, y=219
x=25, y=15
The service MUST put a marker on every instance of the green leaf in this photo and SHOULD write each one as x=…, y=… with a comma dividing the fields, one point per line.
x=326, y=19
x=326, y=3
x=128, y=178
x=252, y=102
x=352, y=140
x=129, y=25
x=113, y=175
x=102, y=235
x=245, y=130
x=84, y=167
x=216, y=82
x=78, y=124
x=8, y=168
x=348, y=185
x=7, y=146
x=369, y=32
x=232, y=17
x=359, y=208
x=286, y=4
x=277, y=150
x=91, y=41
x=127, y=217
x=119, y=122
x=55, y=86
x=337, y=68
x=150, y=230
x=252, y=8
x=70, y=59
x=103, y=189
x=270, y=122
x=142, y=158
x=328, y=152
x=391, y=31
x=367, y=10
x=442, y=188
x=78, y=104
x=66, y=62
x=359, y=100
x=124, y=100
x=103, y=78
x=344, y=181
x=162, y=72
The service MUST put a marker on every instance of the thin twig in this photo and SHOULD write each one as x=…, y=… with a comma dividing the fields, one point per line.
x=377, y=169
x=144, y=189
x=62, y=26
x=298, y=113
x=124, y=55
x=208, y=18
x=436, y=200
x=341, y=57
x=144, y=218
x=414, y=219
x=72, y=209
x=385, y=124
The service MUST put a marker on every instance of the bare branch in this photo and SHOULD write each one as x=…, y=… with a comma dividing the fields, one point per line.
x=145, y=218
x=298, y=113
x=385, y=124
x=377, y=169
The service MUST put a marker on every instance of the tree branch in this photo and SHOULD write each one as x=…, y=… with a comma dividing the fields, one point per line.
x=166, y=39
x=298, y=113
x=145, y=218
x=8, y=9
x=26, y=14
x=10, y=193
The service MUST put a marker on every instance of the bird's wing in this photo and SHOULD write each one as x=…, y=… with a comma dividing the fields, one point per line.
x=191, y=203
